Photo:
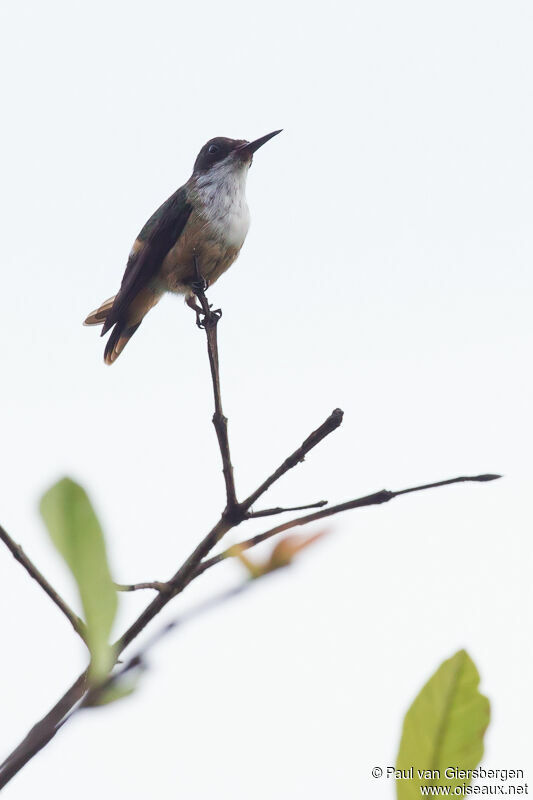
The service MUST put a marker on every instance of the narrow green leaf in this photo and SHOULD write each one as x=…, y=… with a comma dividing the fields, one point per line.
x=75, y=531
x=443, y=728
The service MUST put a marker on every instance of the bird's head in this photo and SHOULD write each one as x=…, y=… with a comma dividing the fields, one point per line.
x=230, y=154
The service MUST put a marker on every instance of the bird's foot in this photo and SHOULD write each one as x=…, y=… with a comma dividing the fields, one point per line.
x=204, y=319
x=208, y=320
x=200, y=286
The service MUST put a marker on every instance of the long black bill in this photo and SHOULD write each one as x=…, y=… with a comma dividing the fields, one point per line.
x=251, y=147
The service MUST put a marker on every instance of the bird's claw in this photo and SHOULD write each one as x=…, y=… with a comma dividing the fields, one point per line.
x=200, y=286
x=204, y=320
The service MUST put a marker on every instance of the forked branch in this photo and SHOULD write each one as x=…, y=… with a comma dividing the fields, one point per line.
x=198, y=562
x=377, y=498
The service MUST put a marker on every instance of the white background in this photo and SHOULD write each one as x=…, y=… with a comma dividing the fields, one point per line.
x=387, y=271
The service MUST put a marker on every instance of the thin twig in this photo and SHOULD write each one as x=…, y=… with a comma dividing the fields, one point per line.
x=369, y=500
x=19, y=554
x=210, y=323
x=43, y=731
x=269, y=512
x=159, y=586
x=187, y=571
x=327, y=427
x=167, y=586
x=176, y=584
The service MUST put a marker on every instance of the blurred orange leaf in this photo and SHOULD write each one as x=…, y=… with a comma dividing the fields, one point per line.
x=281, y=556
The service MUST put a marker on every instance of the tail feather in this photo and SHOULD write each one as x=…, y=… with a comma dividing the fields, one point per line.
x=122, y=322
x=118, y=339
x=99, y=315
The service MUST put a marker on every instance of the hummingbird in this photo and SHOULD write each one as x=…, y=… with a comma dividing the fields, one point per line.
x=195, y=235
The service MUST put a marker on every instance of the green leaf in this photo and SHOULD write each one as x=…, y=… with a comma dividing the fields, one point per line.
x=443, y=728
x=117, y=691
x=75, y=531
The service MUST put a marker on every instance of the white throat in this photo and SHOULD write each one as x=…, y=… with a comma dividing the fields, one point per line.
x=220, y=197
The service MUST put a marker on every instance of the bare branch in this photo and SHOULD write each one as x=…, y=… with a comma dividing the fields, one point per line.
x=43, y=731
x=93, y=695
x=176, y=584
x=369, y=500
x=159, y=586
x=209, y=323
x=269, y=512
x=327, y=427
x=19, y=554
x=188, y=569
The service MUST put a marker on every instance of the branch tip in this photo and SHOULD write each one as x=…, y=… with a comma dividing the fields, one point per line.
x=383, y=496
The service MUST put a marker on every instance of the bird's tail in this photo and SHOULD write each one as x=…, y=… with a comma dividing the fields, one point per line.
x=99, y=315
x=118, y=339
x=120, y=335
x=122, y=323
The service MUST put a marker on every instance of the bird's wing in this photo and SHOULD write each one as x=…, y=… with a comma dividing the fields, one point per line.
x=157, y=237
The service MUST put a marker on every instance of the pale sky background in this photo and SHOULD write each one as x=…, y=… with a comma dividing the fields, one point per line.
x=387, y=271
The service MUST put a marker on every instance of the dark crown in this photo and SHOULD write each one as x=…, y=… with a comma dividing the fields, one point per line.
x=215, y=150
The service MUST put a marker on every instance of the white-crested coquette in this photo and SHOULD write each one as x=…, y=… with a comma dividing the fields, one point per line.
x=199, y=230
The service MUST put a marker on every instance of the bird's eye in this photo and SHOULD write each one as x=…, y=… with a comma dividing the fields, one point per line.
x=213, y=148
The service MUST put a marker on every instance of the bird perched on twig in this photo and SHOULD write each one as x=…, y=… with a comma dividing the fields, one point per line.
x=194, y=236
